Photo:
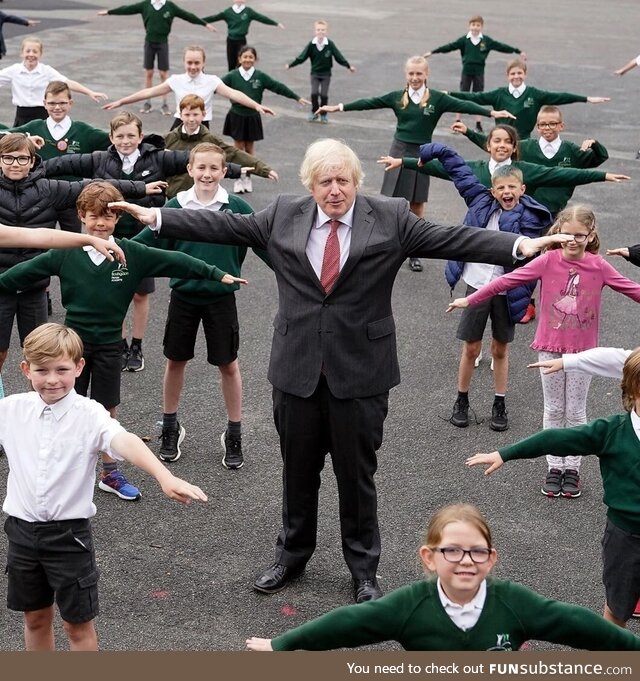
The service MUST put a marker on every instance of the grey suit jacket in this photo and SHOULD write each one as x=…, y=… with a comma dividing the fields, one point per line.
x=350, y=331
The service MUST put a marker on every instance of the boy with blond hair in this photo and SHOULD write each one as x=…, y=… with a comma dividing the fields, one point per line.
x=52, y=437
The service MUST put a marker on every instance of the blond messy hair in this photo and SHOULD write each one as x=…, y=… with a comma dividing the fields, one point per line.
x=327, y=154
x=51, y=341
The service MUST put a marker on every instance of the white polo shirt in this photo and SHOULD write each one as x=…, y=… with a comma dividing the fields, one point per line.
x=52, y=452
x=203, y=85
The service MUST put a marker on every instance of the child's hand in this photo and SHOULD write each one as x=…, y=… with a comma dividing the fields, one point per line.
x=182, y=491
x=211, y=27
x=98, y=96
x=459, y=127
x=615, y=177
x=426, y=55
x=112, y=105
x=623, y=252
x=549, y=366
x=147, y=216
x=458, y=303
x=598, y=100
x=352, y=69
x=281, y=26
x=493, y=459
x=260, y=644
x=102, y=13
x=265, y=110
x=273, y=176
x=586, y=145
x=156, y=187
x=107, y=248
x=228, y=279
x=327, y=108
x=246, y=170
x=304, y=102
x=389, y=162
x=38, y=141
x=502, y=114
x=523, y=56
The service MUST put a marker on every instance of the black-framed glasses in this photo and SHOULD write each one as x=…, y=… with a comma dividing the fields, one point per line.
x=454, y=554
x=578, y=238
x=550, y=126
x=53, y=105
x=20, y=160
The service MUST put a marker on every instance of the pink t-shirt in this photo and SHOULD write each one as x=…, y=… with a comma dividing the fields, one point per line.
x=570, y=293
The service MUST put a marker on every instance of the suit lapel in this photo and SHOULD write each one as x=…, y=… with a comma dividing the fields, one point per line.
x=302, y=225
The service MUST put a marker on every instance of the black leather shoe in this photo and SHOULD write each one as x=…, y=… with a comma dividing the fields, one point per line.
x=366, y=590
x=415, y=265
x=275, y=578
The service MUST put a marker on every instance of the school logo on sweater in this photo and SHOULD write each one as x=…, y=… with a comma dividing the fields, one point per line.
x=502, y=643
x=118, y=274
x=528, y=102
x=428, y=110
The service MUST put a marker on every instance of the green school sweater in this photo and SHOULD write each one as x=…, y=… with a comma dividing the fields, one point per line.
x=321, y=60
x=614, y=442
x=157, y=23
x=82, y=138
x=238, y=22
x=180, y=141
x=228, y=258
x=415, y=124
x=414, y=617
x=534, y=176
x=474, y=57
x=254, y=89
x=569, y=155
x=97, y=297
x=525, y=108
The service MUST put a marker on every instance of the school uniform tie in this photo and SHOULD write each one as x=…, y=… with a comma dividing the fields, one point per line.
x=331, y=258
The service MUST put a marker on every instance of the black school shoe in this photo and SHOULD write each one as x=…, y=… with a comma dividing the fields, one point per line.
x=499, y=420
x=415, y=265
x=460, y=414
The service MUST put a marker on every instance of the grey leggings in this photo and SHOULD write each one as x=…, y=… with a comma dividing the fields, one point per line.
x=319, y=91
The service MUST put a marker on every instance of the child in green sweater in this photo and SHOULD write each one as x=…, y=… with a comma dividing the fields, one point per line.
x=238, y=18
x=241, y=123
x=321, y=52
x=96, y=294
x=157, y=17
x=474, y=49
x=462, y=609
x=522, y=100
x=206, y=302
x=615, y=441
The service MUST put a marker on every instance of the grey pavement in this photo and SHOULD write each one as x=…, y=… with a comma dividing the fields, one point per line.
x=178, y=578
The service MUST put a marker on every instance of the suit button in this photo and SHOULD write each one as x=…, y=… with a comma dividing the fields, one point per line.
x=325, y=304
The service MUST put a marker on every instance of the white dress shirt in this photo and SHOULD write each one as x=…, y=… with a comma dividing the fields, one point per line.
x=203, y=85
x=129, y=161
x=247, y=74
x=27, y=87
x=475, y=39
x=97, y=258
x=464, y=616
x=52, y=452
x=318, y=238
x=494, y=165
x=517, y=91
x=320, y=44
x=58, y=130
x=635, y=422
x=477, y=274
x=549, y=149
x=158, y=4
x=189, y=199
x=237, y=7
x=417, y=95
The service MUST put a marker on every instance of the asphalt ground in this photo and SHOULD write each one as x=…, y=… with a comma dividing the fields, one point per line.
x=176, y=578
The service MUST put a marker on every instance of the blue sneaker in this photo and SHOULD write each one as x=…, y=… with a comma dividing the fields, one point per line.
x=116, y=483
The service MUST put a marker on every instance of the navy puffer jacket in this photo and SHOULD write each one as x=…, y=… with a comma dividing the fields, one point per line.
x=528, y=218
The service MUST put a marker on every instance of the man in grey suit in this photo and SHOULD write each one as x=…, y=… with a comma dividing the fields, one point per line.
x=333, y=357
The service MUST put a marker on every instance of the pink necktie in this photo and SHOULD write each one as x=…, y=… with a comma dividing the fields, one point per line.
x=331, y=258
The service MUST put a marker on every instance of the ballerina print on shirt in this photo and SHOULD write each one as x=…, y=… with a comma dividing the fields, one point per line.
x=567, y=304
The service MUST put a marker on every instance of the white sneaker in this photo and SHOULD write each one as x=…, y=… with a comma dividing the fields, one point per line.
x=238, y=187
x=246, y=184
x=478, y=359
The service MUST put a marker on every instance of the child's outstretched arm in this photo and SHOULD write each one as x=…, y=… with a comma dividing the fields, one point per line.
x=493, y=460
x=240, y=98
x=82, y=89
x=458, y=303
x=131, y=448
x=626, y=68
x=260, y=644
x=607, y=362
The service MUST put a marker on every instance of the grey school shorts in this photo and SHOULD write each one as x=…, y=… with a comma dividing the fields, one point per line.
x=474, y=320
x=621, y=570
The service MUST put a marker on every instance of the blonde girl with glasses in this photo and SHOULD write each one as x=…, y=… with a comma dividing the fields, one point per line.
x=572, y=276
x=460, y=608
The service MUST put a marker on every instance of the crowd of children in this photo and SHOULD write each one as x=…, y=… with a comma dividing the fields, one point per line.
x=57, y=170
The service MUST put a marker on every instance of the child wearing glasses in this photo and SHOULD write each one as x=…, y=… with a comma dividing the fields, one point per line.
x=461, y=609
x=614, y=440
x=572, y=277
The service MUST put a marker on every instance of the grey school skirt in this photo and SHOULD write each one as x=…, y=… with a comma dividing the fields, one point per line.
x=403, y=182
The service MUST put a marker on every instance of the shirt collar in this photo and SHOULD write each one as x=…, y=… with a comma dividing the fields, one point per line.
x=635, y=422
x=237, y=7
x=184, y=132
x=158, y=4
x=476, y=603
x=133, y=156
x=555, y=144
x=90, y=249
x=420, y=92
x=189, y=196
x=247, y=74
x=59, y=408
x=318, y=42
x=520, y=90
x=346, y=219
x=475, y=39
x=494, y=165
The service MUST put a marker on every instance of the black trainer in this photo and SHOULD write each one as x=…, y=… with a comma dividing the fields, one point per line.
x=232, y=459
x=125, y=352
x=460, y=415
x=552, y=486
x=171, y=439
x=136, y=359
x=499, y=420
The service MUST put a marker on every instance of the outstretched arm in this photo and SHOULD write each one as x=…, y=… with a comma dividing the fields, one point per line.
x=240, y=98
x=259, y=644
x=82, y=89
x=627, y=67
x=493, y=460
x=147, y=93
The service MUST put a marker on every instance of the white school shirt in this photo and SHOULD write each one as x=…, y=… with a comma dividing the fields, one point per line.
x=52, y=452
x=464, y=616
x=58, y=130
x=478, y=274
x=237, y=7
x=635, y=422
x=97, y=258
x=318, y=238
x=320, y=44
x=203, y=85
x=517, y=91
x=494, y=165
x=129, y=161
x=417, y=95
x=475, y=39
x=158, y=4
x=549, y=149
x=189, y=199
x=247, y=74
x=27, y=87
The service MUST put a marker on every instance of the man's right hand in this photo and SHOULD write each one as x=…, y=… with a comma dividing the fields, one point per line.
x=147, y=216
x=530, y=247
